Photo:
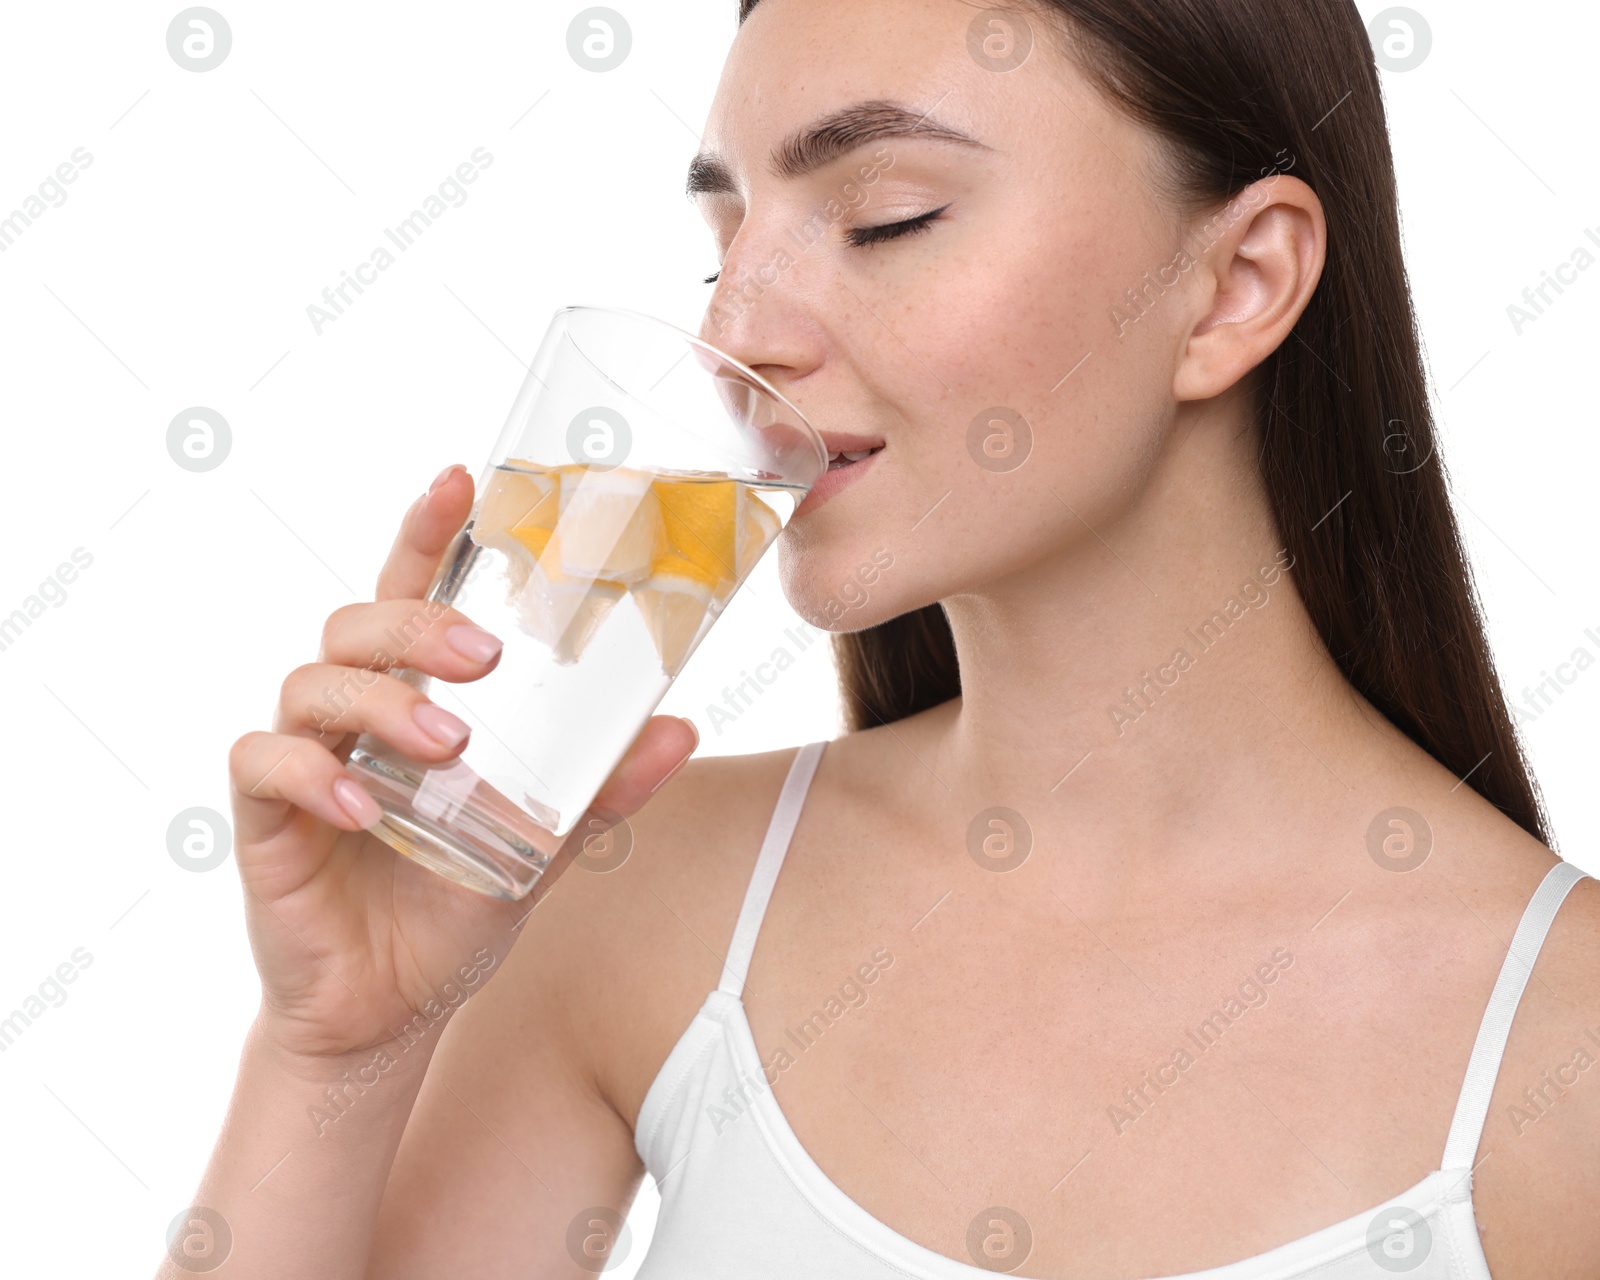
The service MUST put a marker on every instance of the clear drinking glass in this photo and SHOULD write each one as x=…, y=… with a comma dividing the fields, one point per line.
x=640, y=476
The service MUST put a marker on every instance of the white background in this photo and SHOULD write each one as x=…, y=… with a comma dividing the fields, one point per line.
x=178, y=272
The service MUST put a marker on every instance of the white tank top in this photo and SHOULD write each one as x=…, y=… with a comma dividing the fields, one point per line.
x=741, y=1198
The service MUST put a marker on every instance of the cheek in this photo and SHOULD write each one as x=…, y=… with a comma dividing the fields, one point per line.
x=1020, y=420
x=991, y=493
x=1015, y=358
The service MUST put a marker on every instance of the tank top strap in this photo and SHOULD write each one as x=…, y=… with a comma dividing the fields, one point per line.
x=1472, y=1107
x=785, y=815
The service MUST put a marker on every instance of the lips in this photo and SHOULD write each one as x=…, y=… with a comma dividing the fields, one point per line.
x=845, y=450
x=837, y=442
x=849, y=458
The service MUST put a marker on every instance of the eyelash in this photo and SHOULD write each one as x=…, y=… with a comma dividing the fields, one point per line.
x=866, y=237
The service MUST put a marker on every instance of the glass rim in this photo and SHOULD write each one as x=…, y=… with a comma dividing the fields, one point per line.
x=810, y=432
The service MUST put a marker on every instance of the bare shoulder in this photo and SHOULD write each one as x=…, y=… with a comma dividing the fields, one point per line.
x=1537, y=1169
x=528, y=1109
x=1538, y=1176
x=634, y=931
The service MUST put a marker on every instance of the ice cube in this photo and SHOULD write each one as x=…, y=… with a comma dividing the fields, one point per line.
x=610, y=526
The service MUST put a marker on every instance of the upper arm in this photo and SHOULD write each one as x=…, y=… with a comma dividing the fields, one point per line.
x=510, y=1140
x=523, y=1124
x=1538, y=1175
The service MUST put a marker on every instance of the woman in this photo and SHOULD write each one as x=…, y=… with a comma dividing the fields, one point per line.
x=1146, y=920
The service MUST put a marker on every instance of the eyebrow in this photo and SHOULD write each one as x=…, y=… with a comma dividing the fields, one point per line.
x=825, y=140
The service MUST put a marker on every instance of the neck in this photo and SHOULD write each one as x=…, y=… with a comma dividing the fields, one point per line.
x=1152, y=681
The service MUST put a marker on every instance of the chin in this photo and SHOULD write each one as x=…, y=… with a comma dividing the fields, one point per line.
x=844, y=589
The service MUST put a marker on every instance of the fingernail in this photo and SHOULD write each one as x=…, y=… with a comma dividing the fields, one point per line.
x=356, y=802
x=673, y=773
x=445, y=729
x=472, y=642
x=443, y=476
x=687, y=757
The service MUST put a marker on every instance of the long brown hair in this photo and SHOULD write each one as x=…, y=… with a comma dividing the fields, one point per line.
x=1236, y=89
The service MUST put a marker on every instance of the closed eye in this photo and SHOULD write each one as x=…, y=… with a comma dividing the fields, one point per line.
x=864, y=237
x=861, y=237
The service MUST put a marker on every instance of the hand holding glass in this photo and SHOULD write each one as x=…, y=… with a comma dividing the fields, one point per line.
x=639, y=478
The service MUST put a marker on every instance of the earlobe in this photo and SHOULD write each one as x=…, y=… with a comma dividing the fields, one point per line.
x=1264, y=257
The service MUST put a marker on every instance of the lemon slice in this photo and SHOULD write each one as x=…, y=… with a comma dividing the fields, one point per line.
x=759, y=525
x=700, y=519
x=577, y=539
x=561, y=610
x=520, y=547
x=514, y=499
x=533, y=538
x=674, y=602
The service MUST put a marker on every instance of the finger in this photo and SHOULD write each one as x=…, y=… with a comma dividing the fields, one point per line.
x=325, y=703
x=420, y=634
x=661, y=749
x=427, y=529
x=272, y=775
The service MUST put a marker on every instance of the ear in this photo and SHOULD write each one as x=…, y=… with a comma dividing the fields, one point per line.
x=1262, y=256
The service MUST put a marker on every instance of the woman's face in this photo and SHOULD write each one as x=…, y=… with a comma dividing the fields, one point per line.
x=990, y=350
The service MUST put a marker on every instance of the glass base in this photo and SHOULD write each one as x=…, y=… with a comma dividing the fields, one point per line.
x=452, y=822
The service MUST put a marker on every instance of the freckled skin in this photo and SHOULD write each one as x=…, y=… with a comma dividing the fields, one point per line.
x=1175, y=851
x=993, y=306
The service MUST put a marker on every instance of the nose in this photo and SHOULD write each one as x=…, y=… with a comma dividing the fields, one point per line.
x=759, y=313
